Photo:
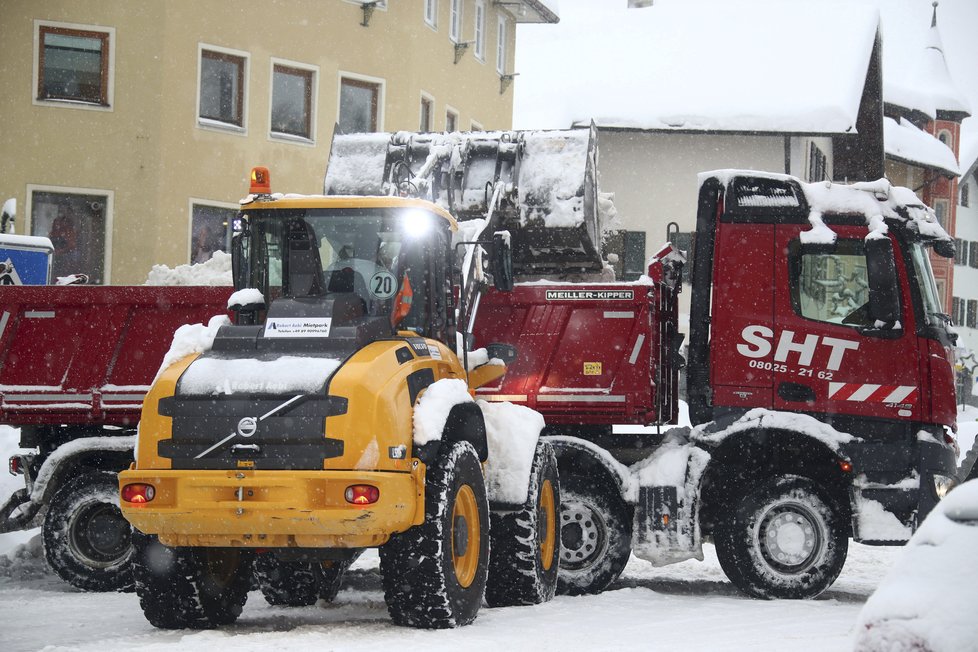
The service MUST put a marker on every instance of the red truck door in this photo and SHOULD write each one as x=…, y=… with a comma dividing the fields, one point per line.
x=824, y=352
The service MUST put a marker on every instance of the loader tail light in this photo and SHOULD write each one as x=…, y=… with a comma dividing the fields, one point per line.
x=845, y=465
x=362, y=494
x=261, y=183
x=138, y=493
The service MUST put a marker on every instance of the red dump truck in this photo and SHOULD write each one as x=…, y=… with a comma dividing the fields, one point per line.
x=819, y=368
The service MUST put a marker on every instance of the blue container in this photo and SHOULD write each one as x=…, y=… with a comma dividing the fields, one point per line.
x=25, y=260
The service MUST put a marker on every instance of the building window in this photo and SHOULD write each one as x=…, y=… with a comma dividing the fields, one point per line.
x=359, y=106
x=633, y=265
x=455, y=23
x=501, y=46
x=431, y=12
x=451, y=120
x=955, y=306
x=817, y=164
x=960, y=252
x=964, y=191
x=945, y=137
x=480, y=30
x=74, y=64
x=940, y=210
x=972, y=317
x=75, y=222
x=210, y=230
x=292, y=100
x=427, y=106
x=685, y=241
x=973, y=254
x=222, y=87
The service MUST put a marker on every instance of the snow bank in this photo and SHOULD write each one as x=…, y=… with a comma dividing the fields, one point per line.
x=433, y=407
x=927, y=600
x=216, y=271
x=192, y=338
x=512, y=432
x=285, y=374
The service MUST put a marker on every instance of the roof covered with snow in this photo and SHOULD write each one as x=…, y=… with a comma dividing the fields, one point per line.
x=731, y=66
x=905, y=142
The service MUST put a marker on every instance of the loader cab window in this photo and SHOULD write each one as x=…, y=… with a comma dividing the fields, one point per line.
x=832, y=286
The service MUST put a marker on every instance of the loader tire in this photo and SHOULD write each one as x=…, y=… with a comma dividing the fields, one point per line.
x=331, y=574
x=783, y=538
x=287, y=583
x=525, y=545
x=434, y=574
x=595, y=535
x=969, y=469
x=190, y=588
x=87, y=541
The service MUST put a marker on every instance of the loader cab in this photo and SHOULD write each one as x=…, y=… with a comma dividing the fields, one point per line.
x=377, y=260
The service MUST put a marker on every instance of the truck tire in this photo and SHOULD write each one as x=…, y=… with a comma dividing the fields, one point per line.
x=86, y=539
x=783, y=538
x=434, y=574
x=190, y=588
x=969, y=469
x=525, y=546
x=287, y=583
x=595, y=535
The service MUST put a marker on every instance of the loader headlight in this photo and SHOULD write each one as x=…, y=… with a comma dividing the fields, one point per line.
x=943, y=484
x=417, y=223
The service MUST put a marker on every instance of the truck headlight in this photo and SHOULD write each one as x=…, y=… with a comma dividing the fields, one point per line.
x=943, y=484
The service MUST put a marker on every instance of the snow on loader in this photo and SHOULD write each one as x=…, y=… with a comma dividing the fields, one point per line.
x=335, y=415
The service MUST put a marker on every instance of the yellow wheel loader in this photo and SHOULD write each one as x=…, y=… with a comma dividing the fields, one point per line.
x=311, y=428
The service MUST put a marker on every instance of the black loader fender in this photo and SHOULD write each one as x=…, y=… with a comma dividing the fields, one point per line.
x=464, y=423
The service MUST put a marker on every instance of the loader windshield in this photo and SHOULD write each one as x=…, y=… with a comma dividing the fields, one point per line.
x=383, y=256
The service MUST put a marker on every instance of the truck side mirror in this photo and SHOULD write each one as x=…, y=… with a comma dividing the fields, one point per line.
x=884, y=289
x=240, y=250
x=502, y=262
x=944, y=248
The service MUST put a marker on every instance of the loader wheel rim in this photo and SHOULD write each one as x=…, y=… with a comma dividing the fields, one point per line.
x=547, y=524
x=465, y=536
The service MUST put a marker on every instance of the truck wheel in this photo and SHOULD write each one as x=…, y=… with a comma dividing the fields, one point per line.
x=86, y=539
x=287, y=583
x=969, y=469
x=525, y=548
x=435, y=573
x=190, y=588
x=595, y=535
x=784, y=538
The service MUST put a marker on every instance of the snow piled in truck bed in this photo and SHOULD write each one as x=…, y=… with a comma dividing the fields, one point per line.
x=216, y=271
x=192, y=338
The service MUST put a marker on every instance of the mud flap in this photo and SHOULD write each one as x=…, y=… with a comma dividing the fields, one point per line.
x=665, y=529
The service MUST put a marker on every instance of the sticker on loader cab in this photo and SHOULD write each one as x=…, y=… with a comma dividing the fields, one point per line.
x=383, y=285
x=590, y=295
x=758, y=342
x=420, y=346
x=297, y=326
x=592, y=368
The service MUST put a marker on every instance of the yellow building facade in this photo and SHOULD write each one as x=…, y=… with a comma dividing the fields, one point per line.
x=129, y=127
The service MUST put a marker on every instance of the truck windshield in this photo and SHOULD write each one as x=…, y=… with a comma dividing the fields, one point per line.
x=372, y=253
x=933, y=312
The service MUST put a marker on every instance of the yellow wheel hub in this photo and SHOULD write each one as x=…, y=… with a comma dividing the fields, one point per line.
x=547, y=524
x=466, y=542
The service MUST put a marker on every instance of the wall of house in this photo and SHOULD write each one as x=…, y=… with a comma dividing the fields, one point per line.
x=966, y=283
x=149, y=153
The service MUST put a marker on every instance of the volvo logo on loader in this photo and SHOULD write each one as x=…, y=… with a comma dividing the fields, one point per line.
x=247, y=426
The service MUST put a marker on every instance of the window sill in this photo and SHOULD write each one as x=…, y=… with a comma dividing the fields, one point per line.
x=217, y=125
x=291, y=138
x=73, y=104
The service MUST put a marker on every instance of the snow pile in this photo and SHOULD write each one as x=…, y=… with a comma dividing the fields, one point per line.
x=927, y=600
x=906, y=142
x=512, y=432
x=216, y=271
x=192, y=338
x=551, y=177
x=286, y=374
x=245, y=297
x=431, y=412
x=762, y=419
x=25, y=562
x=356, y=165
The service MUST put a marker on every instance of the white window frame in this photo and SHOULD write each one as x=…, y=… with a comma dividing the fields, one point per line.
x=501, y=28
x=431, y=13
x=427, y=97
x=381, y=93
x=480, y=30
x=72, y=190
x=216, y=125
x=74, y=104
x=476, y=126
x=313, y=102
x=196, y=201
x=455, y=21
x=449, y=109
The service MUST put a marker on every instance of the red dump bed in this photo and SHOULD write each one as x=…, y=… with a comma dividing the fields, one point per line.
x=588, y=353
x=87, y=354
